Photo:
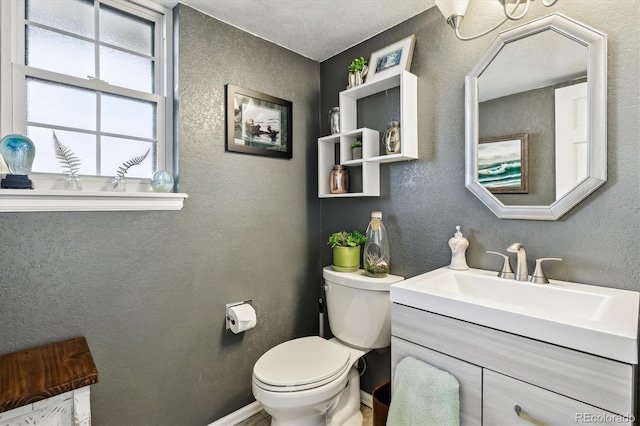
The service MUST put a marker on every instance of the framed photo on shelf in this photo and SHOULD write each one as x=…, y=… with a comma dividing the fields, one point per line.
x=257, y=124
x=391, y=60
x=502, y=164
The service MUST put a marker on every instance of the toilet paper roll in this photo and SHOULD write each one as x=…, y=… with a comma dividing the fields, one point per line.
x=243, y=318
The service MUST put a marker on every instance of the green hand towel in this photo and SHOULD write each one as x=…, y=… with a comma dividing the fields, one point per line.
x=423, y=396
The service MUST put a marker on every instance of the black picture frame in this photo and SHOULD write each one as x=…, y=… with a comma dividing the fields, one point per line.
x=258, y=124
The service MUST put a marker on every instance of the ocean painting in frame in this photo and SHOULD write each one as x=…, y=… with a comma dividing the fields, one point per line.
x=502, y=164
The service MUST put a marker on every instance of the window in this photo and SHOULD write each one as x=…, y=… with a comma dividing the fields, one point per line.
x=96, y=73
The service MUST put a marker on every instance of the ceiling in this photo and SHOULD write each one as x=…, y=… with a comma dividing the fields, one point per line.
x=317, y=29
x=539, y=60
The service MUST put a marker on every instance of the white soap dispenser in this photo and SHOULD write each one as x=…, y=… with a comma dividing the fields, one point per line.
x=458, y=245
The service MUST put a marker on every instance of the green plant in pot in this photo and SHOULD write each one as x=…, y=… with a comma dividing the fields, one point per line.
x=346, y=250
x=357, y=71
x=356, y=150
x=357, y=64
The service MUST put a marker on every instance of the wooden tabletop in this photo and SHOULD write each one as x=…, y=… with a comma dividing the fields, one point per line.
x=39, y=373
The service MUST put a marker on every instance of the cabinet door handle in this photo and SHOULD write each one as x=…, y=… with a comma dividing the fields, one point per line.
x=525, y=416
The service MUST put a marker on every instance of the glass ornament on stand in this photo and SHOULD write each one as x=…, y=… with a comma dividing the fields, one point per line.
x=18, y=152
x=162, y=181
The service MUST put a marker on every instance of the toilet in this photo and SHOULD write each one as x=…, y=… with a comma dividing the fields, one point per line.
x=313, y=381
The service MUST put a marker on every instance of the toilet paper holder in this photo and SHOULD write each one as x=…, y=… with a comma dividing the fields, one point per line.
x=230, y=320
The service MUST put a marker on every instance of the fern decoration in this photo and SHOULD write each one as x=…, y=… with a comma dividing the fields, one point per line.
x=122, y=170
x=67, y=158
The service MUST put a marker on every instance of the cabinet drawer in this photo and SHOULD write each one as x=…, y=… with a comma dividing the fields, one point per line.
x=502, y=394
x=469, y=376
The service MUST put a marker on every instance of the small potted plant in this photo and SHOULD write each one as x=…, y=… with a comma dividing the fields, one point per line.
x=357, y=71
x=356, y=150
x=346, y=250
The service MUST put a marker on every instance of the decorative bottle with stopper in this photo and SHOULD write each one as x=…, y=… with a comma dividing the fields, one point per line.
x=458, y=245
x=376, y=249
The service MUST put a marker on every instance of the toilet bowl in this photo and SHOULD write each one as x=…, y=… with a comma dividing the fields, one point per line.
x=313, y=381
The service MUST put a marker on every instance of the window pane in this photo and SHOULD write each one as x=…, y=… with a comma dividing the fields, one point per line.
x=115, y=151
x=81, y=144
x=124, y=30
x=60, y=104
x=126, y=70
x=59, y=53
x=127, y=116
x=74, y=16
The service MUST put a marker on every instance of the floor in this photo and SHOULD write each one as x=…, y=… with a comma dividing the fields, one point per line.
x=263, y=419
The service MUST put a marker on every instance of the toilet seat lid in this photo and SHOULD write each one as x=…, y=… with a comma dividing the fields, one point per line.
x=301, y=362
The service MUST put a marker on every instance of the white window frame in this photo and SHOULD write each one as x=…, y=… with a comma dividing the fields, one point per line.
x=96, y=189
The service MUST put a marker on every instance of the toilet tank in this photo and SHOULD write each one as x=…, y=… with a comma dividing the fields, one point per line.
x=359, y=307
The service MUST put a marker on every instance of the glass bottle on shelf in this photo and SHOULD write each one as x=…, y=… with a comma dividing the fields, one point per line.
x=376, y=249
x=392, y=138
x=339, y=180
x=334, y=120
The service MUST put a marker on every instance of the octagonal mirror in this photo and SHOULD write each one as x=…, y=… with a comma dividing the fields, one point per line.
x=535, y=128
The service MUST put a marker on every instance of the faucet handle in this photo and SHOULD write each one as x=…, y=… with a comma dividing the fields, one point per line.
x=506, y=271
x=538, y=275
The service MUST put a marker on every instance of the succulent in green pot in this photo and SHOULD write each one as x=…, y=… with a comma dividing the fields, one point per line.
x=346, y=250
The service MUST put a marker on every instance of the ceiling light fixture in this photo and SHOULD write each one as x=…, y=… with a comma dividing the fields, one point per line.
x=454, y=10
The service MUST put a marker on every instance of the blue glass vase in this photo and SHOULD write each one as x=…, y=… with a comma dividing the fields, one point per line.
x=18, y=152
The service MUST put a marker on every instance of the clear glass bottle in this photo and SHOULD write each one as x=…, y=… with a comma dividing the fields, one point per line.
x=376, y=249
x=334, y=120
x=392, y=138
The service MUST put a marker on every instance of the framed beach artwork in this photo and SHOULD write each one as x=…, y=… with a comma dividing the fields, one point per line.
x=391, y=60
x=502, y=164
x=257, y=124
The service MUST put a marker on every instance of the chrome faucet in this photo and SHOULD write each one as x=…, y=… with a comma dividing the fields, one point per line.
x=522, y=272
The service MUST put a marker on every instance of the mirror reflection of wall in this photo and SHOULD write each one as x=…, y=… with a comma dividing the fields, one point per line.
x=531, y=112
x=517, y=93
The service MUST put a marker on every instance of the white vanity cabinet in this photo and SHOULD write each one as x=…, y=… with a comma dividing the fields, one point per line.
x=469, y=376
x=498, y=371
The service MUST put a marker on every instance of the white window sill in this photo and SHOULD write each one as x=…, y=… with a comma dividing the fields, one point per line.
x=24, y=200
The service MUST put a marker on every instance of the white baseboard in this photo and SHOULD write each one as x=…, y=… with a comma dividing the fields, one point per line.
x=239, y=415
x=254, y=408
x=366, y=399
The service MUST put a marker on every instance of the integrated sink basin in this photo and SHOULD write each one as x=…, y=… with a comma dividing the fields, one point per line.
x=598, y=320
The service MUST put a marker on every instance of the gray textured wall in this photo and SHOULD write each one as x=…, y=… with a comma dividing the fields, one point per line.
x=422, y=201
x=148, y=289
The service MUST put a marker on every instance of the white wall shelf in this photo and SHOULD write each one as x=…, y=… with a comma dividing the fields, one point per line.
x=369, y=165
x=360, y=170
x=24, y=200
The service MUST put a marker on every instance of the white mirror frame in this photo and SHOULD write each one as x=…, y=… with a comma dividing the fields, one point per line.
x=596, y=43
